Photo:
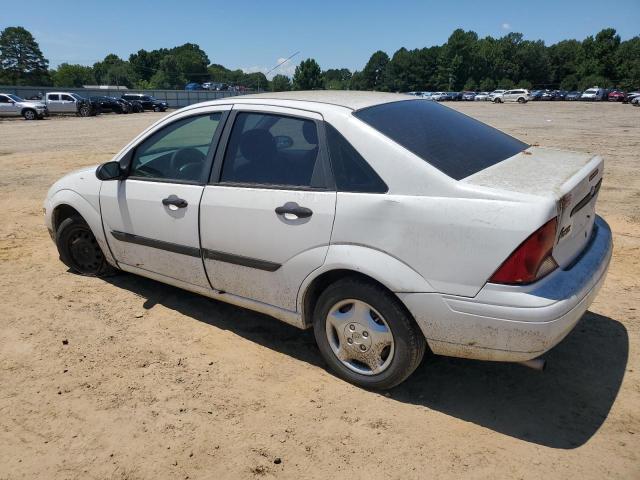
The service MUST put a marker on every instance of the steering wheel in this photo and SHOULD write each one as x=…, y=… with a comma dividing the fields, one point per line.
x=183, y=158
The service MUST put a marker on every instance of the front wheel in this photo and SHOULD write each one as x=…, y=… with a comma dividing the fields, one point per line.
x=521, y=100
x=79, y=249
x=30, y=115
x=85, y=111
x=366, y=335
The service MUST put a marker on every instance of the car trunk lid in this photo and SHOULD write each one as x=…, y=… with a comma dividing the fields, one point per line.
x=571, y=179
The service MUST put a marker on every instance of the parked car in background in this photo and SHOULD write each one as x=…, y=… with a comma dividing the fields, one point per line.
x=548, y=95
x=536, y=95
x=496, y=96
x=193, y=86
x=468, y=96
x=147, y=102
x=14, y=106
x=636, y=101
x=616, y=96
x=439, y=96
x=112, y=104
x=630, y=96
x=481, y=96
x=70, y=103
x=573, y=95
x=593, y=94
x=503, y=260
x=519, y=95
x=560, y=95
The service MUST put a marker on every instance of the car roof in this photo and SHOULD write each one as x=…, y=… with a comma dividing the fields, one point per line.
x=354, y=100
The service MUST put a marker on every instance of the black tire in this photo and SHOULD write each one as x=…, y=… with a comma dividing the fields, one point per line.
x=521, y=100
x=409, y=344
x=79, y=249
x=84, y=111
x=137, y=109
x=30, y=114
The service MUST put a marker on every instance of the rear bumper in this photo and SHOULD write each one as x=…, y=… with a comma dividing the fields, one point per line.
x=513, y=323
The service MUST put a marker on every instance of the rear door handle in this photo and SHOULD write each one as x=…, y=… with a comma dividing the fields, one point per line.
x=175, y=201
x=293, y=208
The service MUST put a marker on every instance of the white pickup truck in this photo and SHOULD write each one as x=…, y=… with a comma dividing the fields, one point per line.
x=14, y=106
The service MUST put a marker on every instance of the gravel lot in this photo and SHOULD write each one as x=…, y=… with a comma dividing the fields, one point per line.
x=126, y=378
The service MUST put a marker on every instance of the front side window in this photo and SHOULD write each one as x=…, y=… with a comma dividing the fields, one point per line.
x=67, y=98
x=268, y=149
x=3, y=99
x=450, y=141
x=177, y=152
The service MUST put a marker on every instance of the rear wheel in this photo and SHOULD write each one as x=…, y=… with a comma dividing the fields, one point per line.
x=79, y=249
x=521, y=100
x=366, y=335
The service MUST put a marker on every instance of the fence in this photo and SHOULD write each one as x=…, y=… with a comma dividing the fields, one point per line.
x=175, y=98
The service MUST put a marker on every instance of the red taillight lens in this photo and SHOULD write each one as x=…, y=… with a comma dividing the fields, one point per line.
x=532, y=260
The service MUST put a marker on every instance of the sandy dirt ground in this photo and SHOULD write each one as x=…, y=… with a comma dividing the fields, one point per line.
x=126, y=378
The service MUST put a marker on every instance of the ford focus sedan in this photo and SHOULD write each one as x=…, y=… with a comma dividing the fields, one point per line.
x=389, y=225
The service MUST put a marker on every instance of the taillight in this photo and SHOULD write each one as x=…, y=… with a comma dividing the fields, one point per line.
x=532, y=260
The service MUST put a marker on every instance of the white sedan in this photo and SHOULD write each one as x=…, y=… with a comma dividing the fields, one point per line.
x=370, y=217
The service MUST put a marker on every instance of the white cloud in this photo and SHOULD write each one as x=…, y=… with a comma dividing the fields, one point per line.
x=506, y=26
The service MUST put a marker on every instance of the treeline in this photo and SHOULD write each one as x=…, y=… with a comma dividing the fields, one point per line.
x=464, y=62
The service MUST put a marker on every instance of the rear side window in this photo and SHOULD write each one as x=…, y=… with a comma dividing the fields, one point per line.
x=352, y=172
x=452, y=142
x=269, y=149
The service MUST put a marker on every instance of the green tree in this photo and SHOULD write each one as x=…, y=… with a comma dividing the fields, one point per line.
x=280, y=83
x=374, y=73
x=114, y=71
x=307, y=76
x=67, y=75
x=169, y=75
x=628, y=64
x=21, y=61
x=336, y=78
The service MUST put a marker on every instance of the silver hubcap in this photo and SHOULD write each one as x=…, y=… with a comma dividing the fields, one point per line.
x=359, y=337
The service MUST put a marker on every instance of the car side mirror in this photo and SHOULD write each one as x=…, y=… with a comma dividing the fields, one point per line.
x=109, y=171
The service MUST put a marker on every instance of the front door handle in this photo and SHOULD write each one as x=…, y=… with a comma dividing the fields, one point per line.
x=174, y=201
x=293, y=208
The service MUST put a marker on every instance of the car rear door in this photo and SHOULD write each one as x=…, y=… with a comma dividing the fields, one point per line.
x=151, y=217
x=53, y=103
x=266, y=215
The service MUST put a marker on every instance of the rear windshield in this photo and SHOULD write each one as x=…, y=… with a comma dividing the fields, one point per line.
x=452, y=142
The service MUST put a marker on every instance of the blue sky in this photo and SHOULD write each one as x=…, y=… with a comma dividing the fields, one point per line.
x=255, y=35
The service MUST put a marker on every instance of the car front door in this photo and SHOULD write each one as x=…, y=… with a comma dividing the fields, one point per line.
x=151, y=218
x=67, y=103
x=267, y=214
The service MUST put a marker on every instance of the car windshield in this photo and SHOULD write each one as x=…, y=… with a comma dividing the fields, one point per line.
x=450, y=141
x=591, y=91
x=15, y=98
